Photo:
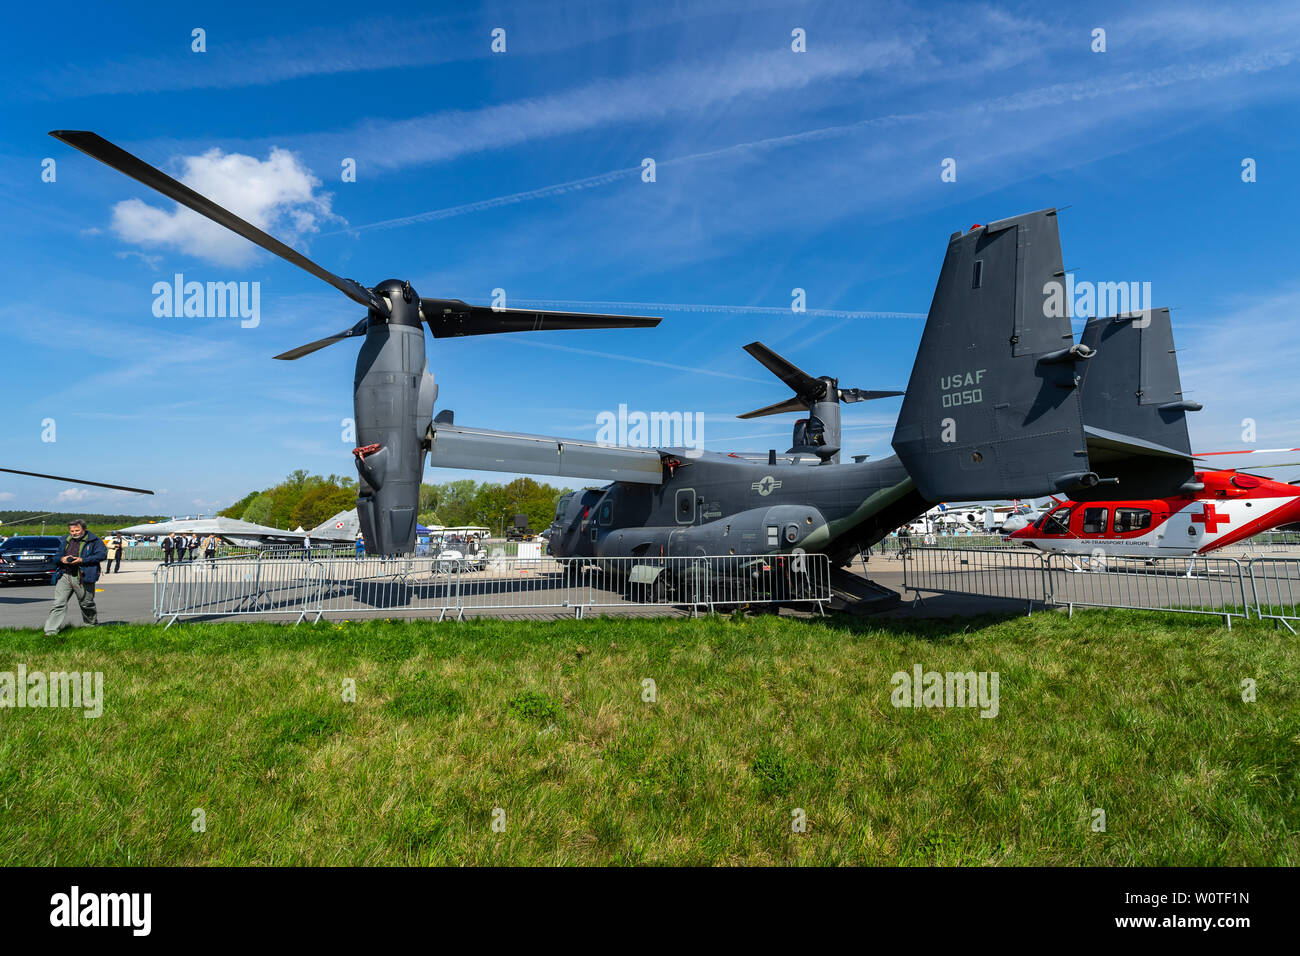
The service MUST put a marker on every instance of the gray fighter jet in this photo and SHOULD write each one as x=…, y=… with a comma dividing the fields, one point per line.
x=393, y=392
x=994, y=410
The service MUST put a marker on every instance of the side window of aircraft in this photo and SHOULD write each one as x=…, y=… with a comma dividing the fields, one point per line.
x=1131, y=519
x=1094, y=520
x=977, y=275
x=1058, y=522
x=606, y=514
x=816, y=432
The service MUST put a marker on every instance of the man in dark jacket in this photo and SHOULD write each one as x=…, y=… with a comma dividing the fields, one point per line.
x=168, y=543
x=78, y=570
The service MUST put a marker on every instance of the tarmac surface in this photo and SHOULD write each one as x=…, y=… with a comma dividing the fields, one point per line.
x=128, y=596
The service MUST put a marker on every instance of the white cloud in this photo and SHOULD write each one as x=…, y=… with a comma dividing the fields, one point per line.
x=277, y=194
x=6, y=496
x=72, y=494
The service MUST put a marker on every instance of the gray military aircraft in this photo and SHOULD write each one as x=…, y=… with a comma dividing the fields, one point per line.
x=993, y=410
x=393, y=391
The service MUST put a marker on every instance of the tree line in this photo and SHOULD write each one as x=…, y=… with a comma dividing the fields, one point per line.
x=57, y=523
x=306, y=500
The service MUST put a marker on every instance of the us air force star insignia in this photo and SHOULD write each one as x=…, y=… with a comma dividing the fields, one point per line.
x=766, y=485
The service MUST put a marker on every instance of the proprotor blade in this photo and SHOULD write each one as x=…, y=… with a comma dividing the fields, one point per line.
x=801, y=383
x=795, y=404
x=865, y=394
x=97, y=147
x=300, y=351
x=77, y=481
x=452, y=317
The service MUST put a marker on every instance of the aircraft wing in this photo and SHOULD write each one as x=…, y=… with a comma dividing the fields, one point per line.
x=454, y=446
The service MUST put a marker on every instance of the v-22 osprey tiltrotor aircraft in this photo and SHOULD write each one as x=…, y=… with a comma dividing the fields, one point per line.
x=996, y=407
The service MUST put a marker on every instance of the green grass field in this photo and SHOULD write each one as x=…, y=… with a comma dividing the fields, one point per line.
x=1139, y=715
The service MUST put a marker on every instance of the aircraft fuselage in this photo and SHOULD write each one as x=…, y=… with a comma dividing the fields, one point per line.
x=719, y=505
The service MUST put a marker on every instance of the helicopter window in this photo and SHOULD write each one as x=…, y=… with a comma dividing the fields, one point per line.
x=977, y=277
x=1058, y=522
x=606, y=513
x=1094, y=520
x=1131, y=519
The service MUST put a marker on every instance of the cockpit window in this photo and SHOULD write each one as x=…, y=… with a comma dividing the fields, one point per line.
x=1058, y=522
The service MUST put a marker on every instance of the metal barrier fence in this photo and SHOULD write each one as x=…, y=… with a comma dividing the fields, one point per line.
x=1208, y=585
x=1275, y=586
x=429, y=584
x=151, y=553
x=1267, y=587
x=1015, y=574
x=895, y=546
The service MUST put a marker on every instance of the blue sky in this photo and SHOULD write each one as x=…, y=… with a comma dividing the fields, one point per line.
x=776, y=170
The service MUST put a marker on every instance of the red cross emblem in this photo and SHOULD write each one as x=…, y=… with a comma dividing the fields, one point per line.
x=1211, y=518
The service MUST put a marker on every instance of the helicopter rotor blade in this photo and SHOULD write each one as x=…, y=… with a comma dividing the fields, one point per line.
x=97, y=147
x=800, y=382
x=448, y=318
x=300, y=351
x=77, y=481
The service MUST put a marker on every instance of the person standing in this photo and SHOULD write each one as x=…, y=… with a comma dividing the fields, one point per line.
x=306, y=546
x=168, y=545
x=361, y=547
x=114, y=562
x=210, y=547
x=78, y=570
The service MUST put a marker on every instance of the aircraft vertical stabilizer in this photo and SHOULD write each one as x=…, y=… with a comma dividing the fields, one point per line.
x=1134, y=412
x=992, y=408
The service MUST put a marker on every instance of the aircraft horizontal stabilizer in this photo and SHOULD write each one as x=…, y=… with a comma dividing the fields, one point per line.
x=481, y=449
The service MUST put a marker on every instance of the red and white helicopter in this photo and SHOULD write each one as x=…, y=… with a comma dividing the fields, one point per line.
x=1230, y=507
